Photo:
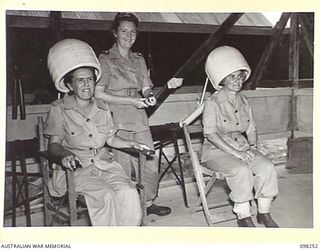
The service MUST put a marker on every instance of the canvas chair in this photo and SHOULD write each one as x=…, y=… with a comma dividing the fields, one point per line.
x=67, y=210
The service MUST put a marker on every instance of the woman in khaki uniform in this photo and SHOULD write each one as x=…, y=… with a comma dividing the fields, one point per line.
x=78, y=127
x=124, y=77
x=227, y=115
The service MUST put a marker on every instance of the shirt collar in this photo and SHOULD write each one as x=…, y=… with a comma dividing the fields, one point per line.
x=223, y=96
x=70, y=102
x=115, y=54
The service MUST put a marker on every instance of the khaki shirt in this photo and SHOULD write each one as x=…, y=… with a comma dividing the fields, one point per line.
x=124, y=77
x=85, y=136
x=229, y=120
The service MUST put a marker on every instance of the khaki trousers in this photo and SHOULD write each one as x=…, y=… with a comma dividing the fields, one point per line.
x=111, y=198
x=242, y=178
x=150, y=178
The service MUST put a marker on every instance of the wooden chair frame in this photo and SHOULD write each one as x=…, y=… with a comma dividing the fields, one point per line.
x=200, y=172
x=53, y=211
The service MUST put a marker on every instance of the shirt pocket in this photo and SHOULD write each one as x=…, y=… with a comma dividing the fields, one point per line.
x=105, y=127
x=74, y=130
x=74, y=136
x=227, y=124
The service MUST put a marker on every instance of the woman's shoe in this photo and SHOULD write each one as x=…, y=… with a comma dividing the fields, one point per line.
x=266, y=220
x=158, y=210
x=246, y=222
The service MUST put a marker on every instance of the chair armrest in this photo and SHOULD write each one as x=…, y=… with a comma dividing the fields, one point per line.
x=137, y=151
x=50, y=157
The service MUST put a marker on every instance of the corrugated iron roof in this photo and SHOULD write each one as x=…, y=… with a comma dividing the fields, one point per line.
x=248, y=19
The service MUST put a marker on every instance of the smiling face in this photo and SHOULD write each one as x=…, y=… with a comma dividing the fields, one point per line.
x=82, y=83
x=126, y=34
x=234, y=81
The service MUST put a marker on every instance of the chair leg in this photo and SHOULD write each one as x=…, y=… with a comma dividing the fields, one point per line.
x=142, y=163
x=207, y=189
x=183, y=185
x=26, y=188
x=72, y=198
x=14, y=192
x=44, y=165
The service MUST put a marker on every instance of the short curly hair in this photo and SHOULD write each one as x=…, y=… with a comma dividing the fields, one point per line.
x=68, y=77
x=124, y=16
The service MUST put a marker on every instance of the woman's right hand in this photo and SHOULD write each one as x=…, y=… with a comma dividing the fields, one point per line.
x=71, y=162
x=139, y=103
x=245, y=156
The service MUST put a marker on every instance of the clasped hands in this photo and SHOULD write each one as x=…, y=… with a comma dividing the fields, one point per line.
x=246, y=156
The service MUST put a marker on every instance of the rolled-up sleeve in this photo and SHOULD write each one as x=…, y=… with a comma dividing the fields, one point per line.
x=252, y=126
x=146, y=79
x=209, y=118
x=112, y=129
x=105, y=71
x=54, y=124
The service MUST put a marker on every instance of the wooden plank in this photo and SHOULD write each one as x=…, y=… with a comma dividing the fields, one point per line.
x=197, y=56
x=302, y=83
x=76, y=24
x=103, y=24
x=278, y=29
x=27, y=22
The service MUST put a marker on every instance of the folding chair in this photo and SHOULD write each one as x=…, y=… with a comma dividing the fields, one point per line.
x=67, y=209
x=200, y=173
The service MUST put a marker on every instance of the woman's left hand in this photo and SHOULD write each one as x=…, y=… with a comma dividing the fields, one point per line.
x=139, y=146
x=174, y=83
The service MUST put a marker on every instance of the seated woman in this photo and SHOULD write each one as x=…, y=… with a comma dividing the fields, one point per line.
x=227, y=115
x=78, y=127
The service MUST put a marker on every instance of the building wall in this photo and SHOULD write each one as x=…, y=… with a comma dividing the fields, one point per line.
x=272, y=111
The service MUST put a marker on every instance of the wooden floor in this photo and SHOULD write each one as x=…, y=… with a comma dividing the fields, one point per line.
x=293, y=208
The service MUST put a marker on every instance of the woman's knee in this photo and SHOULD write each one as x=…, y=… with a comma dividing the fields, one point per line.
x=242, y=172
x=265, y=167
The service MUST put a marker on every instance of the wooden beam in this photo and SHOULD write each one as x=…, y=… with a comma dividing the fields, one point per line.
x=294, y=50
x=305, y=35
x=55, y=26
x=27, y=22
x=105, y=25
x=83, y=24
x=197, y=56
x=277, y=31
x=294, y=67
x=302, y=83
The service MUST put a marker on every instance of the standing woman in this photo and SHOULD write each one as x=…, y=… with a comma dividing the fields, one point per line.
x=124, y=75
x=227, y=115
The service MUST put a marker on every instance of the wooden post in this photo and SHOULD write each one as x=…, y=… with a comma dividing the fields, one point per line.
x=305, y=35
x=55, y=27
x=277, y=31
x=294, y=67
x=197, y=56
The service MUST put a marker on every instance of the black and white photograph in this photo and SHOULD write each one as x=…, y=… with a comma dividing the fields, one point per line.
x=163, y=119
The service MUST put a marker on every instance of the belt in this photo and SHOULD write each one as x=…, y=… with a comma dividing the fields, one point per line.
x=94, y=151
x=125, y=92
x=233, y=134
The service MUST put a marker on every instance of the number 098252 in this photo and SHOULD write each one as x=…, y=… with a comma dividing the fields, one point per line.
x=309, y=246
